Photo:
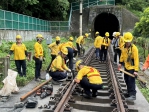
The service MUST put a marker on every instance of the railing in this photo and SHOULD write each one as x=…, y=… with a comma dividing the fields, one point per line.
x=89, y=3
x=4, y=66
x=14, y=21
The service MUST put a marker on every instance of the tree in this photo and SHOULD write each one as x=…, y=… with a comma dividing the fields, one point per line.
x=143, y=26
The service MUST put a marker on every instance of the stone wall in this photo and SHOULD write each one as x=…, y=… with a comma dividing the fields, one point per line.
x=10, y=35
x=129, y=20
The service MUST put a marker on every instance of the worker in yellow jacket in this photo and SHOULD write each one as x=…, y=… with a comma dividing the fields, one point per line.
x=54, y=47
x=105, y=43
x=20, y=54
x=97, y=44
x=80, y=41
x=70, y=47
x=58, y=66
x=130, y=58
x=38, y=56
x=117, y=45
x=89, y=78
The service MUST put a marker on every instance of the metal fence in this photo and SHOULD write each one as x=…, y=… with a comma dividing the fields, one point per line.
x=14, y=21
x=89, y=3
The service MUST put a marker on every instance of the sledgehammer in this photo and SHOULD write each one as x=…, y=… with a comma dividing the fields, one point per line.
x=141, y=80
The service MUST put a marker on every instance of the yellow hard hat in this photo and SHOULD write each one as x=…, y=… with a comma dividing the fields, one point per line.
x=39, y=36
x=64, y=50
x=117, y=34
x=57, y=38
x=71, y=38
x=128, y=37
x=97, y=33
x=86, y=34
x=107, y=34
x=77, y=64
x=18, y=37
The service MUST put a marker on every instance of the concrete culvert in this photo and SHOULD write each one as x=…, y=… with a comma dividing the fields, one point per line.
x=106, y=22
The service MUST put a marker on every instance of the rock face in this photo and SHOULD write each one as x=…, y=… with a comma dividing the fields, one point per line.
x=125, y=18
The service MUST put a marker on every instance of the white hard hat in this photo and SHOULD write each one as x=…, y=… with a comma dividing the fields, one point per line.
x=114, y=33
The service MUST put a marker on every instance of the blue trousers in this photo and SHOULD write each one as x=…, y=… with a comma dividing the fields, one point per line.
x=58, y=75
x=130, y=82
x=86, y=85
x=97, y=52
x=70, y=57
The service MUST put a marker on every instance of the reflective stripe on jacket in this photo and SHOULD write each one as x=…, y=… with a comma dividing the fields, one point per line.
x=92, y=74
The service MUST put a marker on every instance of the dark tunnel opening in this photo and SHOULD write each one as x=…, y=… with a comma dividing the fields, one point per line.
x=106, y=22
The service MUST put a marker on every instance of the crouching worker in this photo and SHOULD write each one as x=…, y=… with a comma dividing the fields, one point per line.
x=89, y=78
x=58, y=67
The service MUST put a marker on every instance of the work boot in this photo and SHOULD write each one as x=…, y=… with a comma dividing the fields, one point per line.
x=94, y=94
x=131, y=98
x=37, y=79
x=126, y=95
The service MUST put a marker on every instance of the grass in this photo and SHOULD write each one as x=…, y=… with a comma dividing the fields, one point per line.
x=21, y=81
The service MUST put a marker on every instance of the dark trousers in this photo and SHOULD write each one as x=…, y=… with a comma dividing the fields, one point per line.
x=78, y=47
x=21, y=64
x=38, y=66
x=117, y=52
x=57, y=75
x=130, y=82
x=86, y=85
x=75, y=53
x=97, y=52
x=70, y=57
x=53, y=57
x=103, y=52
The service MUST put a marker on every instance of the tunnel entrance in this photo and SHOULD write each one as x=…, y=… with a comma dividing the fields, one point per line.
x=106, y=22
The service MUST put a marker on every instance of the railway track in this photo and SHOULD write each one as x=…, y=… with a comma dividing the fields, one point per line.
x=111, y=99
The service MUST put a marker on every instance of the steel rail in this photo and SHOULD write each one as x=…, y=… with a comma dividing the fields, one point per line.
x=119, y=102
x=61, y=105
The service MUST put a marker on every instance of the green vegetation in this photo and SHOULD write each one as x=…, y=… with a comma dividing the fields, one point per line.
x=21, y=81
x=145, y=91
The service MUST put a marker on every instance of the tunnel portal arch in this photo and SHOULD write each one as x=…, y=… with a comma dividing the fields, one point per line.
x=106, y=22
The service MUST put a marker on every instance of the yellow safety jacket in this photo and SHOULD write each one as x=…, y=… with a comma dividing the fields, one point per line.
x=121, y=42
x=98, y=41
x=19, y=51
x=105, y=42
x=92, y=74
x=130, y=57
x=54, y=48
x=38, y=49
x=80, y=40
x=68, y=44
x=58, y=64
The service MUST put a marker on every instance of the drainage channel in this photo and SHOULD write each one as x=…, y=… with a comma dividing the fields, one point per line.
x=109, y=99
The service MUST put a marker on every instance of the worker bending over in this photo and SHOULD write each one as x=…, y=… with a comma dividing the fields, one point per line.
x=80, y=41
x=89, y=78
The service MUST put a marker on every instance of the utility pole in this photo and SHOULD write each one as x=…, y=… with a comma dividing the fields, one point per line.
x=81, y=1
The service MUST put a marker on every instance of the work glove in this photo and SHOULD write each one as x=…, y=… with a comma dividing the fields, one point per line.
x=8, y=55
x=40, y=58
x=80, y=46
x=136, y=74
x=68, y=70
x=143, y=69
